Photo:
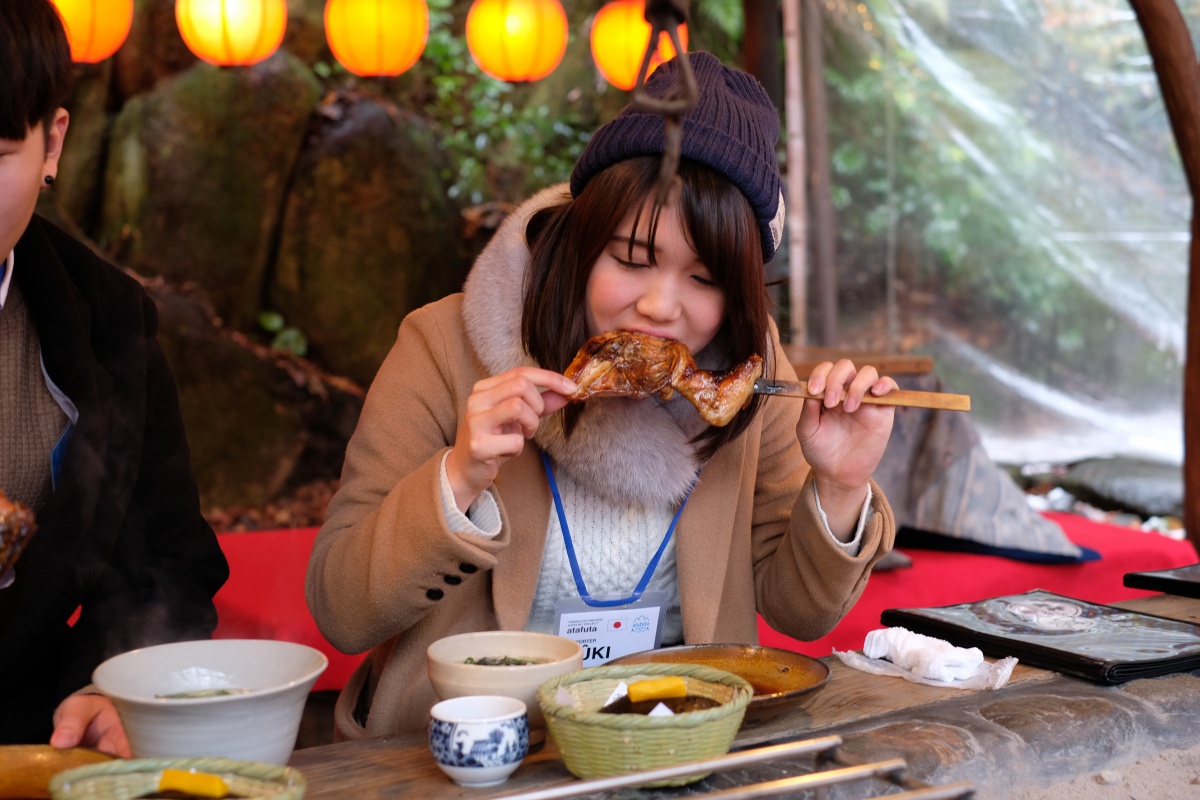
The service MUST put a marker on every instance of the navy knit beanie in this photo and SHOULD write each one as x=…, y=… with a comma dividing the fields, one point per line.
x=733, y=129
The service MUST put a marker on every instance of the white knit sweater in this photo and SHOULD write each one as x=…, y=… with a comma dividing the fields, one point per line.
x=613, y=543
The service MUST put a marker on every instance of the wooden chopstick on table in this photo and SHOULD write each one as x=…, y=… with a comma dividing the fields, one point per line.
x=718, y=764
x=765, y=789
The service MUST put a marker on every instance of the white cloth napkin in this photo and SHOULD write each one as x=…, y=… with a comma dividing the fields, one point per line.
x=925, y=659
x=926, y=656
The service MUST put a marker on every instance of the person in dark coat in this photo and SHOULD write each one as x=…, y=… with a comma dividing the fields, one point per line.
x=91, y=436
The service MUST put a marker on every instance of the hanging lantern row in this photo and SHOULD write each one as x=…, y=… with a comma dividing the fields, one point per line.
x=620, y=34
x=95, y=28
x=517, y=40
x=232, y=33
x=377, y=37
x=512, y=40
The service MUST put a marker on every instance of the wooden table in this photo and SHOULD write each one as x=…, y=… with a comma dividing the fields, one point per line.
x=401, y=767
x=803, y=359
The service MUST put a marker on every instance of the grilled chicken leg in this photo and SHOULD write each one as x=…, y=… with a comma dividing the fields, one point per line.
x=628, y=364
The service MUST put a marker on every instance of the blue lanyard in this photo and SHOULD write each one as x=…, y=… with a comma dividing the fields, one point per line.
x=562, y=523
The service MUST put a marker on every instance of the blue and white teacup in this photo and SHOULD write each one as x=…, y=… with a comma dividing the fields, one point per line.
x=479, y=740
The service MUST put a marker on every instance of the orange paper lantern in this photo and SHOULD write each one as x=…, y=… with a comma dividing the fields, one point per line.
x=517, y=40
x=377, y=37
x=231, y=32
x=95, y=28
x=620, y=35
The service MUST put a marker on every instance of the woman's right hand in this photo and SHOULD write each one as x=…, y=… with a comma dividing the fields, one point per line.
x=502, y=412
x=89, y=720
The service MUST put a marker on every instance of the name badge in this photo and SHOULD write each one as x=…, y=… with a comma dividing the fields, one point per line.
x=608, y=632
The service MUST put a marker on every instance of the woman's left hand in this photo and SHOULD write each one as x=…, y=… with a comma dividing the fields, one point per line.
x=844, y=439
x=90, y=720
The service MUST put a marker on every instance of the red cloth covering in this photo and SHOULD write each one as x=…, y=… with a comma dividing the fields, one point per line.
x=264, y=596
x=939, y=578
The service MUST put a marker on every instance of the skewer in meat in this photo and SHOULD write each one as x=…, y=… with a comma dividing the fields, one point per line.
x=629, y=364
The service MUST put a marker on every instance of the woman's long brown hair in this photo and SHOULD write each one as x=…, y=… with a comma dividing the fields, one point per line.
x=566, y=240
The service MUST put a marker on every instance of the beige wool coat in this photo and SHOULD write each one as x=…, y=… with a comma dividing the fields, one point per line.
x=387, y=574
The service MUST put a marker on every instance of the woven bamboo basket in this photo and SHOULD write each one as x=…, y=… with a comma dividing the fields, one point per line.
x=596, y=745
x=127, y=779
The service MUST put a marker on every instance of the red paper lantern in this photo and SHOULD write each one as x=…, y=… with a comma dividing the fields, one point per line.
x=517, y=40
x=232, y=32
x=95, y=28
x=620, y=35
x=377, y=37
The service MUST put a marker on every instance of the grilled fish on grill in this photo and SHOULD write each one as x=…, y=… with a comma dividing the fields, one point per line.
x=629, y=364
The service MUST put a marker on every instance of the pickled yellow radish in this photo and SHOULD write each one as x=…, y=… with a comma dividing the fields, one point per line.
x=198, y=784
x=657, y=689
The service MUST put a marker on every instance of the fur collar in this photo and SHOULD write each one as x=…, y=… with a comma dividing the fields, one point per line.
x=626, y=450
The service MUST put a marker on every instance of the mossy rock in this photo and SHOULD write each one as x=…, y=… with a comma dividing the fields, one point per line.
x=368, y=234
x=305, y=34
x=81, y=168
x=153, y=51
x=197, y=173
x=252, y=429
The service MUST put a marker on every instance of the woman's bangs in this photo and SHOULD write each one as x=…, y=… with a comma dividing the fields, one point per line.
x=719, y=223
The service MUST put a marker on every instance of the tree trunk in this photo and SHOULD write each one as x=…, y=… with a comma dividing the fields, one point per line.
x=1170, y=46
x=760, y=46
x=823, y=229
x=796, y=212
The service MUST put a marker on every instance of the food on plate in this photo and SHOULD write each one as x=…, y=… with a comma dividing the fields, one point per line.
x=504, y=661
x=781, y=679
x=176, y=794
x=191, y=694
x=26, y=769
x=629, y=364
x=657, y=688
x=181, y=783
x=642, y=697
x=17, y=525
x=678, y=705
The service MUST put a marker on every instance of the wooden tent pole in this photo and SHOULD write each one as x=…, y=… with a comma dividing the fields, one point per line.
x=1170, y=47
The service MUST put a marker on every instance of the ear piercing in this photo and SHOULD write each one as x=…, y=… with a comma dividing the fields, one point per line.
x=49, y=180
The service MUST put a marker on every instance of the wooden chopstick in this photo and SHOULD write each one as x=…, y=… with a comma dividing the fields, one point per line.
x=941, y=401
x=718, y=764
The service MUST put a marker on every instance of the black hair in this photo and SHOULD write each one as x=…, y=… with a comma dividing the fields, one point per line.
x=35, y=60
x=566, y=240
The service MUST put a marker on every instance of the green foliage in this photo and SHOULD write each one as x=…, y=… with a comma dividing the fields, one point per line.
x=976, y=194
x=271, y=321
x=717, y=26
x=284, y=337
x=501, y=140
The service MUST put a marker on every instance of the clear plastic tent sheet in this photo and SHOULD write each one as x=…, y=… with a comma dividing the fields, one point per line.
x=1011, y=178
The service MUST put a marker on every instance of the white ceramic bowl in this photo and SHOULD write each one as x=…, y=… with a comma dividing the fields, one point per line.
x=451, y=677
x=258, y=720
x=479, y=740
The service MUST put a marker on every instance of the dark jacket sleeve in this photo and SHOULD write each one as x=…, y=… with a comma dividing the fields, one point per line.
x=122, y=539
x=147, y=563
x=156, y=581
